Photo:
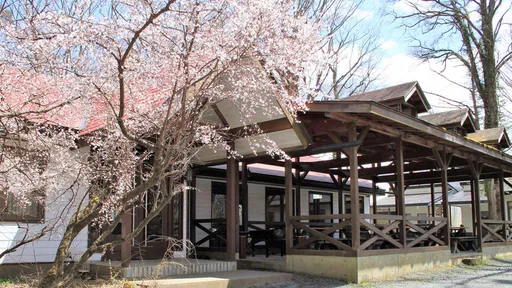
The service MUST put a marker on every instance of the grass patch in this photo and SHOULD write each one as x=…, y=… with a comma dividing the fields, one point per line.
x=474, y=262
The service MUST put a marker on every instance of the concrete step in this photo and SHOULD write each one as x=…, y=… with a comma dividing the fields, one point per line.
x=238, y=279
x=152, y=269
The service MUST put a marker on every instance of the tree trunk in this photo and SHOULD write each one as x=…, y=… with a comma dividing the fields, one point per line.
x=78, y=222
x=57, y=270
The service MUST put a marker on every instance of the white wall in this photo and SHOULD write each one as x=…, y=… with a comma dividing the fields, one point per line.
x=44, y=249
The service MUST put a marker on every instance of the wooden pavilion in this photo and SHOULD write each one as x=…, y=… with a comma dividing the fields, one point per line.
x=376, y=136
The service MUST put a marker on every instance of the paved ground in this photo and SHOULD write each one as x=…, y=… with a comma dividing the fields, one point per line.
x=491, y=274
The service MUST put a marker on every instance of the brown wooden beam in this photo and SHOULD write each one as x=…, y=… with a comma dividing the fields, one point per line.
x=354, y=189
x=444, y=163
x=432, y=200
x=473, y=206
x=374, y=195
x=476, y=169
x=297, y=188
x=288, y=190
x=400, y=188
x=126, y=246
x=192, y=199
x=231, y=208
x=245, y=198
x=502, y=203
x=459, y=174
x=444, y=140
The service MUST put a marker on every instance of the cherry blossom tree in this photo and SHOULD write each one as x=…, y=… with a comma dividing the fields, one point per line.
x=130, y=82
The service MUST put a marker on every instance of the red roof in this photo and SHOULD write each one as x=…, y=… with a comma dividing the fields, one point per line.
x=40, y=99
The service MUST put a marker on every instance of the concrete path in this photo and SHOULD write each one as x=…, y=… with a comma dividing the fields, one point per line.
x=238, y=279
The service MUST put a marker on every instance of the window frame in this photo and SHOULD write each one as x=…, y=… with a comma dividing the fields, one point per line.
x=6, y=216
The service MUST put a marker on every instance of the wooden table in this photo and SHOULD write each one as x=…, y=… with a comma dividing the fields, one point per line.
x=457, y=243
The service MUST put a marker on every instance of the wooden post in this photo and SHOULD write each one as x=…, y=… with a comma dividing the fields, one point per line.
x=245, y=198
x=476, y=169
x=288, y=190
x=478, y=212
x=126, y=246
x=502, y=203
x=400, y=184
x=231, y=205
x=433, y=200
x=473, y=206
x=374, y=195
x=446, y=205
x=192, y=209
x=354, y=189
x=297, y=188
x=444, y=163
x=237, y=207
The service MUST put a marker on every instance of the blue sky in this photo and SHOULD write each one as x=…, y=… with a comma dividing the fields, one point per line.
x=398, y=65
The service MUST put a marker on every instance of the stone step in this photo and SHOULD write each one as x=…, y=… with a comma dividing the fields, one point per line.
x=239, y=279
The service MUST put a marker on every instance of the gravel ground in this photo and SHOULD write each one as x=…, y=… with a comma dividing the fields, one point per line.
x=495, y=273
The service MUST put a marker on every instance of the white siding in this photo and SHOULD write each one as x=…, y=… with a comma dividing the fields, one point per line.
x=44, y=249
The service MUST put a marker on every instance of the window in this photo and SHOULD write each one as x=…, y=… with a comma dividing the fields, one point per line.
x=320, y=204
x=219, y=202
x=347, y=204
x=12, y=210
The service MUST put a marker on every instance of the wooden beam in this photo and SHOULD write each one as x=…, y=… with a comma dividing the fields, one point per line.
x=220, y=115
x=374, y=195
x=473, y=205
x=459, y=174
x=444, y=194
x=264, y=127
x=288, y=190
x=126, y=246
x=362, y=160
x=433, y=200
x=476, y=168
x=443, y=140
x=400, y=191
x=502, y=197
x=231, y=205
x=297, y=188
x=193, y=203
x=245, y=198
x=354, y=189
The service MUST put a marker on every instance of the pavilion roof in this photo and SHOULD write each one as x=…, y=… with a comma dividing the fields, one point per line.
x=493, y=136
x=457, y=117
x=406, y=92
x=382, y=119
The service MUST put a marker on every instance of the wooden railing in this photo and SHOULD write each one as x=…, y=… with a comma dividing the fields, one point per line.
x=377, y=232
x=305, y=226
x=496, y=231
x=211, y=234
x=417, y=235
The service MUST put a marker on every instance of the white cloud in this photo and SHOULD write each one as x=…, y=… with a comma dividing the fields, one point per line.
x=401, y=68
x=387, y=44
x=407, y=6
x=361, y=14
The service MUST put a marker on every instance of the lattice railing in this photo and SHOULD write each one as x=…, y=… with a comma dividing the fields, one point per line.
x=377, y=232
x=309, y=233
x=496, y=231
x=386, y=236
